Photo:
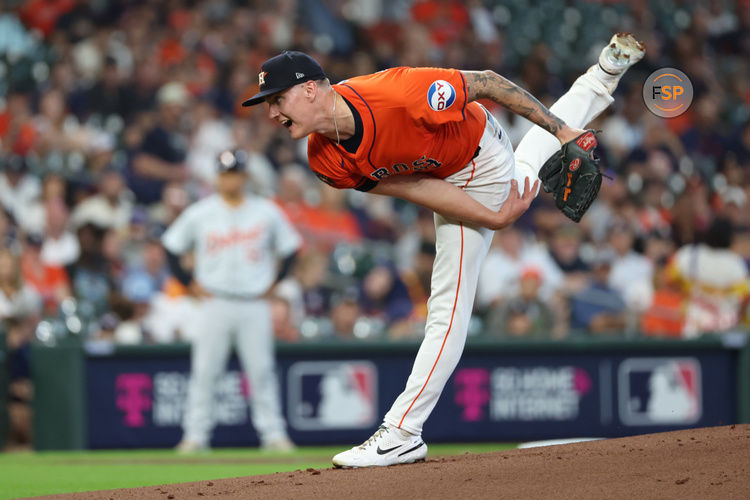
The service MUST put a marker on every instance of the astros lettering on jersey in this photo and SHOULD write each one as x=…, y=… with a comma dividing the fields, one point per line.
x=414, y=120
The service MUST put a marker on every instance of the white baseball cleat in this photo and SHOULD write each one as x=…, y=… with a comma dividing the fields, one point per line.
x=622, y=52
x=388, y=446
x=189, y=447
x=281, y=445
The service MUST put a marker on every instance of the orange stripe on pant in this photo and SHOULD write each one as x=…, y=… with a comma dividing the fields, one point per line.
x=450, y=325
x=473, y=169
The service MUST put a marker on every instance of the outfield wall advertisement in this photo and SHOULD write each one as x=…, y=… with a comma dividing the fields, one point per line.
x=139, y=401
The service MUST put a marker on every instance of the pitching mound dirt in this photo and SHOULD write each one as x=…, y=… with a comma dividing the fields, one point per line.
x=698, y=463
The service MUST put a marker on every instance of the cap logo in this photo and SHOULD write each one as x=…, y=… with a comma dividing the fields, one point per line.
x=262, y=78
x=299, y=75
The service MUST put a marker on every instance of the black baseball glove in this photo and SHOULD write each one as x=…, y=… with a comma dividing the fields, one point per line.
x=572, y=176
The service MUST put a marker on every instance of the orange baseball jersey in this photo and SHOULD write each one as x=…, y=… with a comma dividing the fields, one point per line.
x=413, y=120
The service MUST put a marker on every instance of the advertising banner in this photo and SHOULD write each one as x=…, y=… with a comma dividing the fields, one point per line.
x=140, y=401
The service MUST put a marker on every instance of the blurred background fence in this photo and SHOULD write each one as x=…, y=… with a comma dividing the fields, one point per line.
x=100, y=396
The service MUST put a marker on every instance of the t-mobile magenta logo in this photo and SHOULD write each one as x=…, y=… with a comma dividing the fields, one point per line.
x=582, y=382
x=472, y=392
x=134, y=396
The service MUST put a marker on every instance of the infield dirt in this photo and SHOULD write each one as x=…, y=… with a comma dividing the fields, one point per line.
x=697, y=463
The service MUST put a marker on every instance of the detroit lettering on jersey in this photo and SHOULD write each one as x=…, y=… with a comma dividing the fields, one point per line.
x=236, y=248
x=217, y=242
x=415, y=120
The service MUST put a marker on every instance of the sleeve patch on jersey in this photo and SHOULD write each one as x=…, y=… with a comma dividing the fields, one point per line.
x=441, y=95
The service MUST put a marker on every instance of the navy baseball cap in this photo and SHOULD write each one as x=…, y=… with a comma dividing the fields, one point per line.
x=233, y=160
x=284, y=71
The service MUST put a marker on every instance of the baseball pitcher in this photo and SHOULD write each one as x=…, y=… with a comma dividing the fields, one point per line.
x=418, y=134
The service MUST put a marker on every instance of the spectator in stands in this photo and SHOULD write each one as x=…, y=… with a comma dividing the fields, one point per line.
x=508, y=255
x=565, y=250
x=312, y=273
x=345, y=312
x=284, y=327
x=32, y=216
x=18, y=301
x=16, y=40
x=525, y=315
x=61, y=139
x=140, y=284
x=131, y=306
x=251, y=136
x=632, y=274
x=212, y=136
x=413, y=239
x=43, y=14
x=704, y=140
x=174, y=200
x=691, y=213
x=301, y=295
x=17, y=130
x=666, y=315
x=715, y=280
x=293, y=187
x=8, y=232
x=623, y=132
x=50, y=282
x=418, y=280
x=18, y=188
x=162, y=154
x=605, y=209
x=111, y=207
x=60, y=246
x=329, y=223
x=384, y=296
x=20, y=309
x=170, y=315
x=598, y=309
x=91, y=276
x=108, y=98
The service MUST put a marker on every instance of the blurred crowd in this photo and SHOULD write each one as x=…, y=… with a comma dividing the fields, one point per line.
x=112, y=114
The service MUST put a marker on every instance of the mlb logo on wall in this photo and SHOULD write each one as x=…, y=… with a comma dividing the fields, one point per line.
x=331, y=395
x=441, y=95
x=660, y=391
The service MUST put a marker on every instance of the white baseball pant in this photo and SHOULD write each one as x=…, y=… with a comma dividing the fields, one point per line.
x=218, y=322
x=461, y=248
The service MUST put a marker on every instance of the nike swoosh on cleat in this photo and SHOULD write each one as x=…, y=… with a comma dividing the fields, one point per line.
x=383, y=452
x=421, y=443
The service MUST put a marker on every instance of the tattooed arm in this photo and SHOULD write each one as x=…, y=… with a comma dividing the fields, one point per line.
x=488, y=84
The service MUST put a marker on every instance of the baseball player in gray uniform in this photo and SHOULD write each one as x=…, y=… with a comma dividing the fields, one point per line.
x=237, y=241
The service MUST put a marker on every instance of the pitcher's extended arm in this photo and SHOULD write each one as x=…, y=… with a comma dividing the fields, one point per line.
x=489, y=85
x=452, y=202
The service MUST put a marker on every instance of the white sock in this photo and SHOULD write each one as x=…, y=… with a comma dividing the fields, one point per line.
x=403, y=432
x=608, y=80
